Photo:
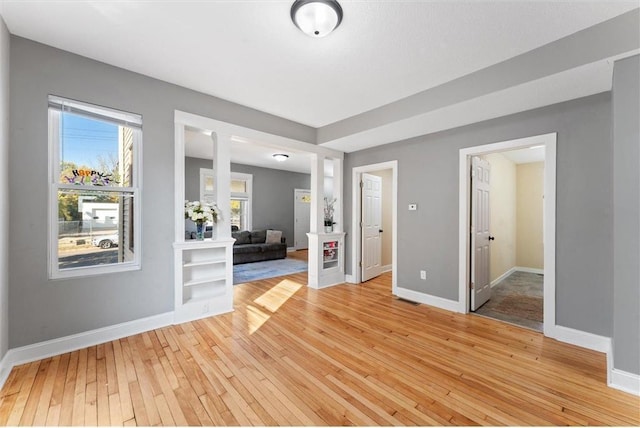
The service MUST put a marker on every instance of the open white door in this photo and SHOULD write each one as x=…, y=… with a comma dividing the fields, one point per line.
x=480, y=238
x=302, y=215
x=371, y=226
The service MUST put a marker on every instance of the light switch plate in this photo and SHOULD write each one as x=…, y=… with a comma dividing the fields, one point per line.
x=413, y=207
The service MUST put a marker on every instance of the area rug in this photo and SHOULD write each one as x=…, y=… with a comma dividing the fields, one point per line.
x=522, y=306
x=248, y=272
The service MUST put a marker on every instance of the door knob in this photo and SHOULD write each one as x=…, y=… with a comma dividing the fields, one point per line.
x=491, y=238
x=380, y=230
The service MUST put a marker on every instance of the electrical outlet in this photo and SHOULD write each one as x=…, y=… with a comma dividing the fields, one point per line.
x=423, y=274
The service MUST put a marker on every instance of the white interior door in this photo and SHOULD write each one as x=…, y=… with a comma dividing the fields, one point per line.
x=371, y=226
x=302, y=215
x=480, y=238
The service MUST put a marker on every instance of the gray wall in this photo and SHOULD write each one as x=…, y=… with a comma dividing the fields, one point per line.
x=4, y=188
x=626, y=215
x=41, y=309
x=272, y=193
x=192, y=176
x=273, y=197
x=428, y=176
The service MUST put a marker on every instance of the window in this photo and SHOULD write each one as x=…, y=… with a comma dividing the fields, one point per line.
x=241, y=188
x=94, y=189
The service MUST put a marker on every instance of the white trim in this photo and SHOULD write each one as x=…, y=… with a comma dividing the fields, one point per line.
x=416, y=296
x=624, y=381
x=549, y=221
x=515, y=269
x=351, y=279
x=581, y=338
x=291, y=249
x=356, y=210
x=529, y=270
x=5, y=370
x=387, y=268
x=62, y=345
x=241, y=134
x=503, y=276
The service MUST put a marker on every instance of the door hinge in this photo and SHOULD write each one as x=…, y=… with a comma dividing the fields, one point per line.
x=362, y=184
x=360, y=263
x=360, y=225
x=471, y=286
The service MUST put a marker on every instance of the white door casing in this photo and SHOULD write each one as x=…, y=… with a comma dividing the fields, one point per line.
x=371, y=226
x=302, y=216
x=480, y=237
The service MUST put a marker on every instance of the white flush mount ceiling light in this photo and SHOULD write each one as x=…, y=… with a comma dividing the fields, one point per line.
x=316, y=18
x=280, y=157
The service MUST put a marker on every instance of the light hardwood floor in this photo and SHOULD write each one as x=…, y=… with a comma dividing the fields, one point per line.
x=290, y=355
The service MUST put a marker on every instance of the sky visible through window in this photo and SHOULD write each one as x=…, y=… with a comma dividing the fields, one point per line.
x=86, y=140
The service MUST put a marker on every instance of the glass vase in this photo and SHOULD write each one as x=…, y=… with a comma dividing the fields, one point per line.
x=200, y=231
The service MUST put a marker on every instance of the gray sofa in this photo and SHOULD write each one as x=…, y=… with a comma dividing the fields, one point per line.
x=250, y=246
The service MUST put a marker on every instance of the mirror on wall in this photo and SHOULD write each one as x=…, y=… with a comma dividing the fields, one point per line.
x=199, y=174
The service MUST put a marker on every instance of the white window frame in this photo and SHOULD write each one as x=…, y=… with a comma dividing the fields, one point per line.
x=245, y=196
x=204, y=194
x=126, y=119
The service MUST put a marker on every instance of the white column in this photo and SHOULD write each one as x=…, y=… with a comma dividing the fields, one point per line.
x=222, y=174
x=338, y=217
x=317, y=194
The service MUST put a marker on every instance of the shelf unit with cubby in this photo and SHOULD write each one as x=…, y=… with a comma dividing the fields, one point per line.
x=326, y=259
x=203, y=278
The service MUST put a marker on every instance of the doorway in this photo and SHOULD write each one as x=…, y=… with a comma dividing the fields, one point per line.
x=466, y=262
x=302, y=218
x=379, y=232
x=508, y=261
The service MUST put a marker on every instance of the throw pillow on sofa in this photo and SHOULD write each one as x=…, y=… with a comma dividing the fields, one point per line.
x=273, y=236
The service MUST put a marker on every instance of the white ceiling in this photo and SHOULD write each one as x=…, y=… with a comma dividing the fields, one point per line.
x=383, y=53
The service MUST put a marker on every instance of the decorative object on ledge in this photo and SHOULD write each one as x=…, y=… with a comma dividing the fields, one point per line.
x=316, y=18
x=328, y=214
x=201, y=213
x=280, y=157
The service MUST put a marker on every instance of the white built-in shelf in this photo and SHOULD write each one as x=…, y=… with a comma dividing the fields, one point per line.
x=203, y=263
x=204, y=280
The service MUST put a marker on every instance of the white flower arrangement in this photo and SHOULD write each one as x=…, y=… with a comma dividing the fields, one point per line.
x=201, y=212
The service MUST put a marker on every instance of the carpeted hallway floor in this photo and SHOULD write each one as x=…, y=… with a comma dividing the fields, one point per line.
x=517, y=299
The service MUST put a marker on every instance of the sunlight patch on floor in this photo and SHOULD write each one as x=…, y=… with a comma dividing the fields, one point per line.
x=278, y=294
x=271, y=301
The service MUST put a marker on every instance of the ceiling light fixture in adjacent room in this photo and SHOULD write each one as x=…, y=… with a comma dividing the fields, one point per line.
x=280, y=157
x=316, y=18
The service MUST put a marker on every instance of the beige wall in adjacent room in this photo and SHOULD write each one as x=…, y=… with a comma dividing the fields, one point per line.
x=502, y=201
x=387, y=203
x=529, y=214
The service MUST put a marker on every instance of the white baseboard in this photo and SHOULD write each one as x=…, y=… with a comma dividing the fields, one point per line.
x=503, y=276
x=387, y=268
x=624, y=381
x=49, y=348
x=351, y=279
x=581, y=338
x=438, y=302
x=291, y=249
x=529, y=270
x=516, y=269
x=5, y=369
